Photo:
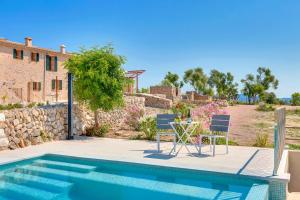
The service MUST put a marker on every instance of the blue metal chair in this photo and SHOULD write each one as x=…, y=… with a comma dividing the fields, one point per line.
x=164, y=128
x=219, y=124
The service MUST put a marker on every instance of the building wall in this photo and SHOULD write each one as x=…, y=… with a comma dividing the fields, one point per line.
x=171, y=93
x=16, y=75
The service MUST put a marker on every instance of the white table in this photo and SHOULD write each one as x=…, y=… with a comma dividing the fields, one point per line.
x=188, y=129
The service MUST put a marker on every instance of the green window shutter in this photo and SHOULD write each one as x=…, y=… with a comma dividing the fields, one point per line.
x=55, y=63
x=53, y=84
x=22, y=54
x=40, y=86
x=47, y=63
x=15, y=53
x=60, y=84
x=37, y=57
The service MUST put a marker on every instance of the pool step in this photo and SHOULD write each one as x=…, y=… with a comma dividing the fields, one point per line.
x=48, y=184
x=20, y=192
x=200, y=189
x=64, y=166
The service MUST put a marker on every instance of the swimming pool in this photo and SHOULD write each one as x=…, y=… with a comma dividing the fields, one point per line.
x=64, y=178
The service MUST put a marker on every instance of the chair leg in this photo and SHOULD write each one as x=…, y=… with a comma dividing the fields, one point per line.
x=200, y=144
x=209, y=144
x=226, y=144
x=214, y=149
x=158, y=142
x=174, y=143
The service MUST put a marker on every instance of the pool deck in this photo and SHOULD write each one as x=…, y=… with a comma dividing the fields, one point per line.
x=250, y=161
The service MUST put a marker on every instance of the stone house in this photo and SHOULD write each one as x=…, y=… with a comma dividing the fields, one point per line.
x=31, y=74
x=169, y=92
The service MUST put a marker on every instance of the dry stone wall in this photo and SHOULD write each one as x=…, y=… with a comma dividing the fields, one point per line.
x=30, y=126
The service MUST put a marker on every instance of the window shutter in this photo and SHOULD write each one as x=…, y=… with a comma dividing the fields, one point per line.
x=60, y=84
x=53, y=84
x=37, y=57
x=47, y=63
x=22, y=55
x=55, y=63
x=15, y=53
x=40, y=86
x=33, y=85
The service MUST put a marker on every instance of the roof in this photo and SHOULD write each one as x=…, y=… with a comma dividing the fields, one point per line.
x=134, y=73
x=8, y=43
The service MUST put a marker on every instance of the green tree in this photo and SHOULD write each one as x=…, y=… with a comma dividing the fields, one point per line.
x=251, y=88
x=223, y=84
x=295, y=101
x=172, y=79
x=198, y=80
x=256, y=86
x=99, y=78
x=270, y=98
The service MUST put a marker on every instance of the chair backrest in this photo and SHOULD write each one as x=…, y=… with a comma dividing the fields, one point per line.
x=220, y=123
x=163, y=121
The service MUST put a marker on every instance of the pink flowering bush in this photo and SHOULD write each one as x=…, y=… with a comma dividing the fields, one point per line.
x=134, y=114
x=204, y=113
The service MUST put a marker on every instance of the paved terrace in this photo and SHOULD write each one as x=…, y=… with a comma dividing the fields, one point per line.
x=240, y=160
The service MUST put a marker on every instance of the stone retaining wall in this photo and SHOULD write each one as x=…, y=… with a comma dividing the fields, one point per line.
x=30, y=126
x=156, y=101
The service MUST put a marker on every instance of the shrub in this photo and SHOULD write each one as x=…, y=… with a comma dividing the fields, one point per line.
x=31, y=105
x=261, y=140
x=134, y=115
x=181, y=109
x=265, y=107
x=295, y=99
x=148, y=126
x=10, y=106
x=204, y=113
x=98, y=132
x=270, y=98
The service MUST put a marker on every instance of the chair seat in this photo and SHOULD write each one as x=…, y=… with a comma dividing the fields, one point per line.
x=213, y=136
x=166, y=134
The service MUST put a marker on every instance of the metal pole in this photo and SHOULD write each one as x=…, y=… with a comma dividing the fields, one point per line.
x=70, y=106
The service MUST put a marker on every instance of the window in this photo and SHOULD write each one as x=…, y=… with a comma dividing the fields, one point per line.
x=36, y=86
x=18, y=54
x=35, y=57
x=55, y=83
x=51, y=63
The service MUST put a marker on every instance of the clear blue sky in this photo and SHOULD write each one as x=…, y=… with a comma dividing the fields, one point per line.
x=169, y=35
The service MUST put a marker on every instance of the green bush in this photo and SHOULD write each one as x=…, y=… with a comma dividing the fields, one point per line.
x=181, y=109
x=10, y=106
x=261, y=140
x=294, y=146
x=100, y=131
x=295, y=99
x=265, y=107
x=148, y=126
x=31, y=105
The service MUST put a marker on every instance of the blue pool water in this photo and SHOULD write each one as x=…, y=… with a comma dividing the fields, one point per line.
x=64, y=178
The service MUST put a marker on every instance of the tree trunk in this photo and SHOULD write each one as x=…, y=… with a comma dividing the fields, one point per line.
x=96, y=119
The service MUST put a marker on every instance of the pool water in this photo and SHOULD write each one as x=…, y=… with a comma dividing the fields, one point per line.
x=64, y=178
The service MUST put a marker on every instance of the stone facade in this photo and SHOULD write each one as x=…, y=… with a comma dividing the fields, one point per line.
x=30, y=126
x=171, y=93
x=156, y=101
x=24, y=79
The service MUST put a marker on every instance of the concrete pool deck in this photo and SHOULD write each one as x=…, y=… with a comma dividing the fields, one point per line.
x=250, y=161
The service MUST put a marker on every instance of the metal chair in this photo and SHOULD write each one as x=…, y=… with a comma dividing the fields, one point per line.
x=164, y=128
x=219, y=124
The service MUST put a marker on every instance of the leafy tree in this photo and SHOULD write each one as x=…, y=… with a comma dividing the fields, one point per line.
x=295, y=99
x=144, y=90
x=198, y=80
x=270, y=98
x=256, y=86
x=225, y=87
x=99, y=78
x=172, y=80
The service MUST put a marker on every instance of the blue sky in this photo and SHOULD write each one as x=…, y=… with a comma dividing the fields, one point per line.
x=169, y=35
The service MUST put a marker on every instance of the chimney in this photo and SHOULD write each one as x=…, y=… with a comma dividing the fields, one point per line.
x=28, y=42
x=62, y=49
